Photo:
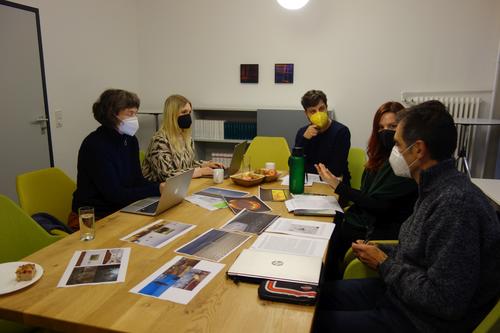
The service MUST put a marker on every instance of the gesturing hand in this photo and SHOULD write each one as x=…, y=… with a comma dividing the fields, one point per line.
x=327, y=176
x=369, y=254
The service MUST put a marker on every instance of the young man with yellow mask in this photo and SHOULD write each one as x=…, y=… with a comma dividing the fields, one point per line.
x=324, y=140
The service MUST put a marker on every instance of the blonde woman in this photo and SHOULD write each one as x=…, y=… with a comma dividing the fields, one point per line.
x=171, y=150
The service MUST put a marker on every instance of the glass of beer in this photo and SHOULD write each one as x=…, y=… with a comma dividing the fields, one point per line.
x=87, y=223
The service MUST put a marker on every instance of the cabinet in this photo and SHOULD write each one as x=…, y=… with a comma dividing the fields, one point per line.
x=217, y=130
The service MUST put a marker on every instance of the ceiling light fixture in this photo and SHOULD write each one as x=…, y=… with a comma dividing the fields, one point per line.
x=293, y=4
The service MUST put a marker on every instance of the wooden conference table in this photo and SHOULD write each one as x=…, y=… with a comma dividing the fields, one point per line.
x=222, y=306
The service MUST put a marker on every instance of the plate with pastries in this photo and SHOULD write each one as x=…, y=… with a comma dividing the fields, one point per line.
x=271, y=175
x=18, y=275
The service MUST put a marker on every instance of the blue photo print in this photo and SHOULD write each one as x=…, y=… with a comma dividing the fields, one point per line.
x=283, y=73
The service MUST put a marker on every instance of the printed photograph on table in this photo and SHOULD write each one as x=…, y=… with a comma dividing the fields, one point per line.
x=158, y=233
x=252, y=203
x=249, y=73
x=213, y=245
x=274, y=194
x=219, y=192
x=179, y=280
x=252, y=222
x=283, y=73
x=96, y=267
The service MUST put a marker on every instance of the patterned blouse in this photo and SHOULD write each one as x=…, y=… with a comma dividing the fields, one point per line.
x=161, y=162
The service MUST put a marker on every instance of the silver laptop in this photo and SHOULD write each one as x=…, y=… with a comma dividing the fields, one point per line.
x=238, y=153
x=173, y=193
x=258, y=265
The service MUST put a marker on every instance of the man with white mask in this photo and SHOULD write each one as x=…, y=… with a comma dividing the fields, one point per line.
x=109, y=171
x=443, y=275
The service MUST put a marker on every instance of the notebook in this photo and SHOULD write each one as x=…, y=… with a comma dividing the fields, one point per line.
x=255, y=265
x=173, y=193
x=238, y=153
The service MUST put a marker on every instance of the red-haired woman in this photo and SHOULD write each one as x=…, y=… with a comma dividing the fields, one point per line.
x=384, y=200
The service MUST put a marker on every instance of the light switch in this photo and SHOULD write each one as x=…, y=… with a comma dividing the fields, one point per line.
x=59, y=118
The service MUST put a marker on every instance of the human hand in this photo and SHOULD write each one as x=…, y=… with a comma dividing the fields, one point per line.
x=311, y=131
x=203, y=171
x=369, y=254
x=162, y=186
x=327, y=176
x=213, y=165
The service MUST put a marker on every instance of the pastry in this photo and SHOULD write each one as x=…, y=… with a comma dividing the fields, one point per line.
x=25, y=272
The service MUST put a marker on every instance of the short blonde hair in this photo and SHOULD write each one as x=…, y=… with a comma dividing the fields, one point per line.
x=170, y=127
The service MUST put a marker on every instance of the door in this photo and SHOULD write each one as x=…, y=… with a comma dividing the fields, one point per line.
x=24, y=126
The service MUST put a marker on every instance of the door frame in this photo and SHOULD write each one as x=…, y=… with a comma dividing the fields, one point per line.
x=42, y=68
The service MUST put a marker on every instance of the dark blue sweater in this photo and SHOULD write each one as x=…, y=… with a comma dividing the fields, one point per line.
x=109, y=173
x=330, y=148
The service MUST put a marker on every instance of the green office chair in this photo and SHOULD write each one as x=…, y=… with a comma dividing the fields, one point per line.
x=264, y=149
x=20, y=237
x=47, y=190
x=491, y=323
x=356, y=164
x=142, y=155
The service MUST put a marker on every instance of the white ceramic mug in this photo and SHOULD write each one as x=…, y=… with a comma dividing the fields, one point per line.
x=218, y=176
x=270, y=165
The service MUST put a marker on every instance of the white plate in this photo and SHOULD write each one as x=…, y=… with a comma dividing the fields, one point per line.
x=8, y=282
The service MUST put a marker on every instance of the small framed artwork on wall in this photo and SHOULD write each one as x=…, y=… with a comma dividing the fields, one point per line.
x=249, y=73
x=283, y=73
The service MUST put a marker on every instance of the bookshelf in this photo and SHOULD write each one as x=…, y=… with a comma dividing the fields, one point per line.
x=217, y=130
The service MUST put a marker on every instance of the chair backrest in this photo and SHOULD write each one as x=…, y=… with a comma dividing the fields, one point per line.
x=20, y=235
x=264, y=149
x=142, y=155
x=356, y=163
x=491, y=323
x=47, y=190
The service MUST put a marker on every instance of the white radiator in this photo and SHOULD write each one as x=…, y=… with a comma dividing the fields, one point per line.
x=460, y=107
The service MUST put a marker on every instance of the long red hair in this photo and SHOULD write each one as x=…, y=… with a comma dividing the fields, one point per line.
x=376, y=154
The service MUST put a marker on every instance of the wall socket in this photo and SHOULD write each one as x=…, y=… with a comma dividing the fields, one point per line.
x=59, y=118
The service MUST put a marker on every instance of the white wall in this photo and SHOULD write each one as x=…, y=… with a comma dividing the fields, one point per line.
x=360, y=52
x=88, y=46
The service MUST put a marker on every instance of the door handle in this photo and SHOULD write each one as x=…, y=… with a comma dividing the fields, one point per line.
x=42, y=120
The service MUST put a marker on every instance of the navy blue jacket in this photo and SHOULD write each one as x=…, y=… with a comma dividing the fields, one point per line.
x=109, y=173
x=330, y=148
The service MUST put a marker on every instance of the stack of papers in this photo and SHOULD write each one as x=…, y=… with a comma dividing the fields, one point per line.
x=320, y=205
x=309, y=179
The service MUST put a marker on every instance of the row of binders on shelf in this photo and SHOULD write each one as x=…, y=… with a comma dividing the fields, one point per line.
x=222, y=130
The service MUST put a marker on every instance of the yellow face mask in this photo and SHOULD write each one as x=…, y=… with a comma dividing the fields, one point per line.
x=319, y=119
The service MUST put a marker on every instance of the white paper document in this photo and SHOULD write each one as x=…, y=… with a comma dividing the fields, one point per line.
x=306, y=228
x=179, y=280
x=210, y=203
x=313, y=202
x=308, y=180
x=288, y=244
x=91, y=267
x=158, y=233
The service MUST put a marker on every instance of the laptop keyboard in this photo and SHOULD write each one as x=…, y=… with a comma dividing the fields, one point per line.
x=150, y=208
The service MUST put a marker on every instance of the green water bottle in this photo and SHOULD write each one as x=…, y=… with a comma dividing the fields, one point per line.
x=296, y=163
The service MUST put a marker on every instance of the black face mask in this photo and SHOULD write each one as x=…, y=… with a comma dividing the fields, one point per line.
x=386, y=138
x=184, y=121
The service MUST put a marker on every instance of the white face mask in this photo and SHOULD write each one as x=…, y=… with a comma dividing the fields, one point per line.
x=398, y=163
x=129, y=126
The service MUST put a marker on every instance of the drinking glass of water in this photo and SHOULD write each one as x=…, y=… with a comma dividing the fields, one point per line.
x=87, y=223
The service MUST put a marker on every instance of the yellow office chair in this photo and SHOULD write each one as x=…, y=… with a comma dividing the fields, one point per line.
x=264, y=149
x=142, y=155
x=47, y=190
x=20, y=237
x=356, y=163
